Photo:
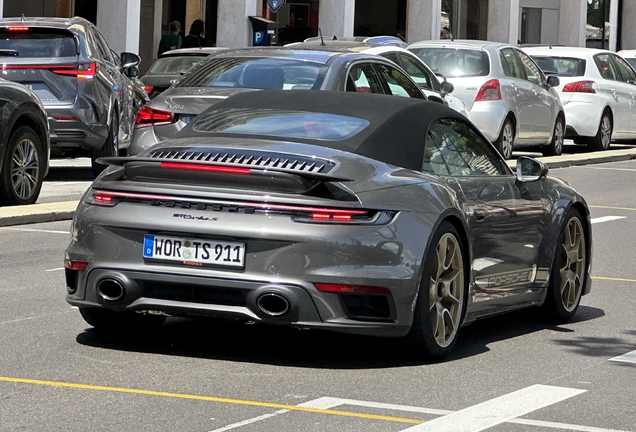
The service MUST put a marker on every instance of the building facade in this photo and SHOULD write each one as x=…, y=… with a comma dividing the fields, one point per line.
x=137, y=25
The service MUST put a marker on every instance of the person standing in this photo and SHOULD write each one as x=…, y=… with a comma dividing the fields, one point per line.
x=195, y=38
x=172, y=40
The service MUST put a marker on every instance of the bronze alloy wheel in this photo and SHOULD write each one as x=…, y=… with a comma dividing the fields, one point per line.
x=572, y=269
x=446, y=290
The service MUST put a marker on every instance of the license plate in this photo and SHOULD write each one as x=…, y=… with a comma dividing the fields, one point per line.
x=194, y=251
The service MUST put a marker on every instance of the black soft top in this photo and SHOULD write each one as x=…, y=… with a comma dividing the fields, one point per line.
x=395, y=135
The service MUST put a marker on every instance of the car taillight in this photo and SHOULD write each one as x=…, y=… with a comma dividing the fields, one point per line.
x=17, y=28
x=489, y=91
x=579, y=87
x=84, y=71
x=351, y=289
x=149, y=89
x=152, y=117
x=102, y=199
x=208, y=168
x=75, y=265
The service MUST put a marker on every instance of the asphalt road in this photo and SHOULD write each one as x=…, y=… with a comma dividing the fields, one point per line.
x=511, y=373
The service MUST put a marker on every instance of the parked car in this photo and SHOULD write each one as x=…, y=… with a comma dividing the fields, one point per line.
x=629, y=56
x=506, y=95
x=410, y=63
x=349, y=212
x=81, y=82
x=234, y=71
x=171, y=66
x=597, y=91
x=24, y=144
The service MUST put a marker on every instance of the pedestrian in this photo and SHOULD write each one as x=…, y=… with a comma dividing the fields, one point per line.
x=195, y=38
x=172, y=40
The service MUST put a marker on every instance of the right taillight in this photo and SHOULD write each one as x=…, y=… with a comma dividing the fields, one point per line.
x=489, y=91
x=149, y=89
x=579, y=87
x=152, y=117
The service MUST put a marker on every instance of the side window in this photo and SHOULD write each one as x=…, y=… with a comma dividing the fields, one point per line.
x=102, y=46
x=605, y=66
x=363, y=79
x=419, y=74
x=399, y=84
x=453, y=148
x=510, y=64
x=533, y=74
x=626, y=72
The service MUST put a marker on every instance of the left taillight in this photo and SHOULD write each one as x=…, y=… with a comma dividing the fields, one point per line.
x=102, y=199
x=148, y=117
x=83, y=71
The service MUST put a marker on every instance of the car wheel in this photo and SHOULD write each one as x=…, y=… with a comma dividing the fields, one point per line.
x=108, y=320
x=604, y=135
x=442, y=295
x=567, y=276
x=506, y=139
x=110, y=147
x=555, y=148
x=22, y=172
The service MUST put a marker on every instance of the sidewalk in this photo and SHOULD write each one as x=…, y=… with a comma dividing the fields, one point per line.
x=52, y=212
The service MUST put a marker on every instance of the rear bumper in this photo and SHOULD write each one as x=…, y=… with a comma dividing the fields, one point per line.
x=488, y=117
x=79, y=134
x=582, y=117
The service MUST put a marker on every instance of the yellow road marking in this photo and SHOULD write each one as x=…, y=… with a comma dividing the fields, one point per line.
x=613, y=279
x=208, y=399
x=612, y=208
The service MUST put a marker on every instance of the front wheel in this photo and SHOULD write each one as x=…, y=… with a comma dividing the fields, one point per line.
x=567, y=278
x=506, y=139
x=22, y=170
x=555, y=148
x=442, y=295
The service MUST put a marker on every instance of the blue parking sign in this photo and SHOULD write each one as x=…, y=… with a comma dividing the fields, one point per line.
x=275, y=5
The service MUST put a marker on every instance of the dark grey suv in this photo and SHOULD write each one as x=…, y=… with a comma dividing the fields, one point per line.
x=82, y=83
x=24, y=144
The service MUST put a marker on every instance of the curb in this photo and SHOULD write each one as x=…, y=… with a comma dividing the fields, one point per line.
x=52, y=212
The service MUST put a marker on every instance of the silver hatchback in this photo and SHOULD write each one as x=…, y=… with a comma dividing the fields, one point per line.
x=506, y=95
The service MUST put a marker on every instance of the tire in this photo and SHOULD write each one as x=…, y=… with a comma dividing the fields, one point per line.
x=110, y=147
x=506, y=139
x=442, y=295
x=555, y=148
x=22, y=171
x=603, y=136
x=567, y=276
x=112, y=321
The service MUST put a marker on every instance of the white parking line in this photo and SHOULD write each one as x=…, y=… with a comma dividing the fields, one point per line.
x=499, y=410
x=55, y=269
x=630, y=357
x=34, y=230
x=606, y=219
x=320, y=403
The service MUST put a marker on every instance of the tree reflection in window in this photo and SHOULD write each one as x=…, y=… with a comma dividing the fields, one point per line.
x=454, y=148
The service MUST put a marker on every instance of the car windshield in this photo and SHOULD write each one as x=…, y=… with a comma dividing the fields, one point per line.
x=631, y=61
x=39, y=43
x=455, y=62
x=174, y=65
x=561, y=66
x=257, y=73
x=280, y=123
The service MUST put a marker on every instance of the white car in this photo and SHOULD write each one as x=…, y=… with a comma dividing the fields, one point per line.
x=597, y=90
x=389, y=48
x=505, y=93
x=630, y=56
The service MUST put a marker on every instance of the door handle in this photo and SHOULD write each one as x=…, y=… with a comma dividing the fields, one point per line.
x=480, y=214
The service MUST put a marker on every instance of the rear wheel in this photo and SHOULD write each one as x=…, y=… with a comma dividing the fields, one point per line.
x=22, y=171
x=108, y=320
x=442, y=295
x=506, y=139
x=110, y=147
x=604, y=134
x=567, y=278
x=555, y=148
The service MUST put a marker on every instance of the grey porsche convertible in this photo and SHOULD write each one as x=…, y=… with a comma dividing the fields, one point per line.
x=349, y=212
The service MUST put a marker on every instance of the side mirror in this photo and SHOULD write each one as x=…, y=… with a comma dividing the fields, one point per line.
x=129, y=60
x=530, y=170
x=447, y=87
x=553, y=81
x=436, y=99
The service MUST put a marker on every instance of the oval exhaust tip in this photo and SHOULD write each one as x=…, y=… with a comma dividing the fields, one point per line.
x=273, y=304
x=110, y=289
